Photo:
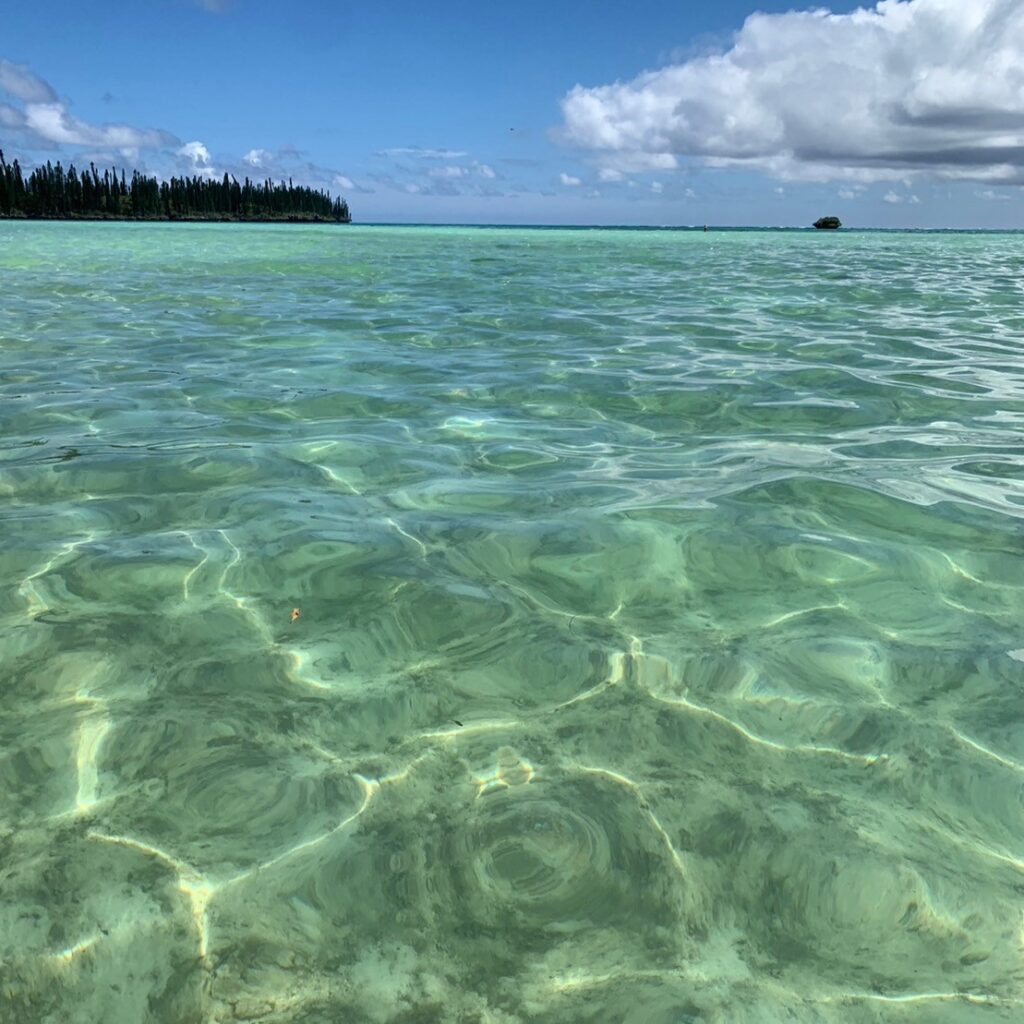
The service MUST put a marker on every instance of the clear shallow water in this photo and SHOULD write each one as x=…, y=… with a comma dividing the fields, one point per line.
x=660, y=652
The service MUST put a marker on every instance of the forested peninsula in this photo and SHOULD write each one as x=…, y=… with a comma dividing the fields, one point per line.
x=51, y=193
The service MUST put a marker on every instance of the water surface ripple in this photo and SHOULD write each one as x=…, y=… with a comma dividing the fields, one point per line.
x=660, y=640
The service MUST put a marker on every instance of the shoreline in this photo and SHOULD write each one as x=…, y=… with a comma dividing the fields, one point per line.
x=212, y=219
x=666, y=228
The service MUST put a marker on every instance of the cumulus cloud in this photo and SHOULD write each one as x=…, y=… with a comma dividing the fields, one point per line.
x=485, y=170
x=657, y=187
x=610, y=174
x=194, y=158
x=992, y=196
x=905, y=88
x=569, y=179
x=195, y=152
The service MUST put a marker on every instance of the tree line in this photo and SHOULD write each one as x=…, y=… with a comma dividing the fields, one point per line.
x=52, y=192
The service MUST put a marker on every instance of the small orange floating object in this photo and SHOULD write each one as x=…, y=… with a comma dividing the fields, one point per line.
x=295, y=614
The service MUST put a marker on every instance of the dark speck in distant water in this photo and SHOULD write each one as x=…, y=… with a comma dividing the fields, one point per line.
x=457, y=722
x=69, y=453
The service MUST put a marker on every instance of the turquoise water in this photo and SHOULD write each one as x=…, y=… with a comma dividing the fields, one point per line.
x=660, y=642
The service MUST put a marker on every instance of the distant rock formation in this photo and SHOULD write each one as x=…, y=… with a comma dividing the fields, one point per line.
x=828, y=222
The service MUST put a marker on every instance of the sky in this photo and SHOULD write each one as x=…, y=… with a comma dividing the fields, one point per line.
x=909, y=113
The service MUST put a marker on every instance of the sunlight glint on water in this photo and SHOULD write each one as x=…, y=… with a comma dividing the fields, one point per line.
x=660, y=646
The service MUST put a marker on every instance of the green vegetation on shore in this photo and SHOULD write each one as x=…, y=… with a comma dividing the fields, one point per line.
x=50, y=192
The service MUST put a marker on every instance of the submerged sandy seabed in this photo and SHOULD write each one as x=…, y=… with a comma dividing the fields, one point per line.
x=658, y=656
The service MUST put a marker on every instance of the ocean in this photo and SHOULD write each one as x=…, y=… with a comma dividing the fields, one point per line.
x=492, y=625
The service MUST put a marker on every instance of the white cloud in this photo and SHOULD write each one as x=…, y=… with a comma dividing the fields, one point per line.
x=36, y=119
x=44, y=121
x=848, y=193
x=569, y=179
x=196, y=152
x=485, y=170
x=892, y=197
x=51, y=122
x=780, y=191
x=196, y=159
x=257, y=157
x=913, y=199
x=451, y=171
x=690, y=194
x=992, y=196
x=638, y=163
x=657, y=187
x=423, y=154
x=286, y=162
x=610, y=174
x=904, y=88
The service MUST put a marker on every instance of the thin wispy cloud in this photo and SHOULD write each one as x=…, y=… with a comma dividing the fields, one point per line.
x=419, y=153
x=895, y=198
x=257, y=158
x=19, y=82
x=930, y=87
x=448, y=172
x=11, y=117
x=290, y=162
x=52, y=122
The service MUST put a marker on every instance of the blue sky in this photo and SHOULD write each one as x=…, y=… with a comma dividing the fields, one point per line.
x=908, y=114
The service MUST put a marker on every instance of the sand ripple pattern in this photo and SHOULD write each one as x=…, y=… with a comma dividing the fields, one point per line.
x=659, y=652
